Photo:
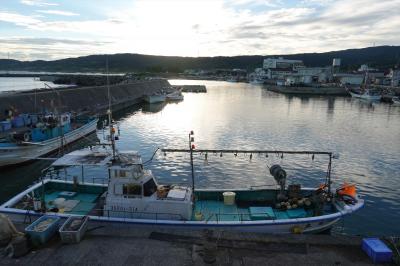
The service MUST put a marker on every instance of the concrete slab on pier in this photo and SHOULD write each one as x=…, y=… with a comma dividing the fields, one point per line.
x=172, y=247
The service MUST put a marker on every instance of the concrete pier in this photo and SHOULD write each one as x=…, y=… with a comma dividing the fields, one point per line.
x=332, y=91
x=81, y=100
x=175, y=247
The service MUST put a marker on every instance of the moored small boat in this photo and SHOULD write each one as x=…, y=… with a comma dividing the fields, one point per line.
x=42, y=135
x=396, y=101
x=155, y=98
x=365, y=95
x=175, y=96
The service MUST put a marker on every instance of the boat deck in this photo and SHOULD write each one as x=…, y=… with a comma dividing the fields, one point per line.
x=79, y=203
x=213, y=210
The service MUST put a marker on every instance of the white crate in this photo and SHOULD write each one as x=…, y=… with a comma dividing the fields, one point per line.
x=70, y=237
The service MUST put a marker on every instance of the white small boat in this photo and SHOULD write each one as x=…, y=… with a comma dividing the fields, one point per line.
x=365, y=95
x=175, y=96
x=396, y=101
x=256, y=81
x=155, y=98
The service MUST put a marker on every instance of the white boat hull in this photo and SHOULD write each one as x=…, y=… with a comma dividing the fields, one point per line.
x=366, y=96
x=154, y=98
x=24, y=153
x=281, y=226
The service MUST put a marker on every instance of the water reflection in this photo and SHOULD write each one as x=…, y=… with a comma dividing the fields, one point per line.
x=240, y=116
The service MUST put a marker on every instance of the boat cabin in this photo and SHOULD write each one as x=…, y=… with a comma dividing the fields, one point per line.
x=134, y=193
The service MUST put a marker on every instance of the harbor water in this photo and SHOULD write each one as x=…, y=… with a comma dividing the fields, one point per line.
x=244, y=116
x=8, y=84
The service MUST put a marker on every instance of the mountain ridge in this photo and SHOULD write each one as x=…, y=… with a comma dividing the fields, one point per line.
x=379, y=57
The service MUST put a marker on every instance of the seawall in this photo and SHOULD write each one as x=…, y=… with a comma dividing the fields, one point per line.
x=93, y=100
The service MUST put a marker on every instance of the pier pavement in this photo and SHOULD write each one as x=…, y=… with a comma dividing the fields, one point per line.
x=173, y=247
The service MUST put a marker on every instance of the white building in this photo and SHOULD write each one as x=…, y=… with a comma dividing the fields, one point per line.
x=279, y=73
x=315, y=74
x=275, y=63
x=365, y=67
x=350, y=79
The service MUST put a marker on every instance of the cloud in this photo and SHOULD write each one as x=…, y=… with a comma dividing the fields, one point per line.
x=48, y=41
x=217, y=27
x=58, y=12
x=28, y=48
x=19, y=19
x=37, y=3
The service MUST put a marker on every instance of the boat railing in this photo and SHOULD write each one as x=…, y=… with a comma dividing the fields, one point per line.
x=139, y=215
x=53, y=175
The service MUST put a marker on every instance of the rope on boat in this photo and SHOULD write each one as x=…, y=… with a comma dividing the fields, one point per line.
x=151, y=159
x=278, y=152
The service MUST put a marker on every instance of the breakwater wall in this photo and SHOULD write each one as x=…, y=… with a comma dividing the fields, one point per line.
x=334, y=91
x=90, y=100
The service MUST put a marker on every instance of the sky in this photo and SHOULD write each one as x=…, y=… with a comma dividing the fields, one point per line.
x=55, y=29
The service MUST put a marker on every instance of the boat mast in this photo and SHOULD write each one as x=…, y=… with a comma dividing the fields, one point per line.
x=191, y=148
x=110, y=123
x=58, y=113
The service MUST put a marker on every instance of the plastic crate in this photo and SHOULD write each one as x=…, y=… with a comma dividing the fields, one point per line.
x=377, y=250
x=41, y=237
x=5, y=125
x=73, y=236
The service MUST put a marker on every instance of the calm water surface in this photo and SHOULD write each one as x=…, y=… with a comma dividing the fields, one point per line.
x=244, y=116
x=25, y=83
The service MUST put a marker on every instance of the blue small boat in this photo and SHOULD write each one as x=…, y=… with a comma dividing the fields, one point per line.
x=30, y=136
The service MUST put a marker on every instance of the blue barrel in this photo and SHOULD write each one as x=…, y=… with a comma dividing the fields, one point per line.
x=17, y=121
x=5, y=125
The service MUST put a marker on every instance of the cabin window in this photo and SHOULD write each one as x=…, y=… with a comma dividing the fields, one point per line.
x=132, y=190
x=122, y=173
x=149, y=188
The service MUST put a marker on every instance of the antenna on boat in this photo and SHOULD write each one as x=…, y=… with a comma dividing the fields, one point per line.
x=191, y=148
x=58, y=113
x=110, y=123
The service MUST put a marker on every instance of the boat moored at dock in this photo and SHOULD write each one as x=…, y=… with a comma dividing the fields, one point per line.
x=132, y=196
x=42, y=135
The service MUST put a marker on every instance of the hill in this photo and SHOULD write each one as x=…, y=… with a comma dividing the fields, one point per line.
x=380, y=57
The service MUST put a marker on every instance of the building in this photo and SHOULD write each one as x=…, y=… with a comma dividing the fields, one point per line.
x=365, y=67
x=394, y=75
x=315, y=74
x=280, y=63
x=350, y=78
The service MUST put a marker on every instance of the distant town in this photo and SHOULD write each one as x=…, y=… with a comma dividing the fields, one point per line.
x=285, y=72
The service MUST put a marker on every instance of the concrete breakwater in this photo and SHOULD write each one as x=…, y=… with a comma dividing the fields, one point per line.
x=91, y=100
x=334, y=91
x=191, y=88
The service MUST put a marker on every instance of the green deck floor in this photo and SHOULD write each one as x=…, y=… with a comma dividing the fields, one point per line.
x=212, y=210
x=85, y=202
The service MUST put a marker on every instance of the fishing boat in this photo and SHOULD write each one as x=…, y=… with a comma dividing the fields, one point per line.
x=131, y=196
x=29, y=137
x=364, y=92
